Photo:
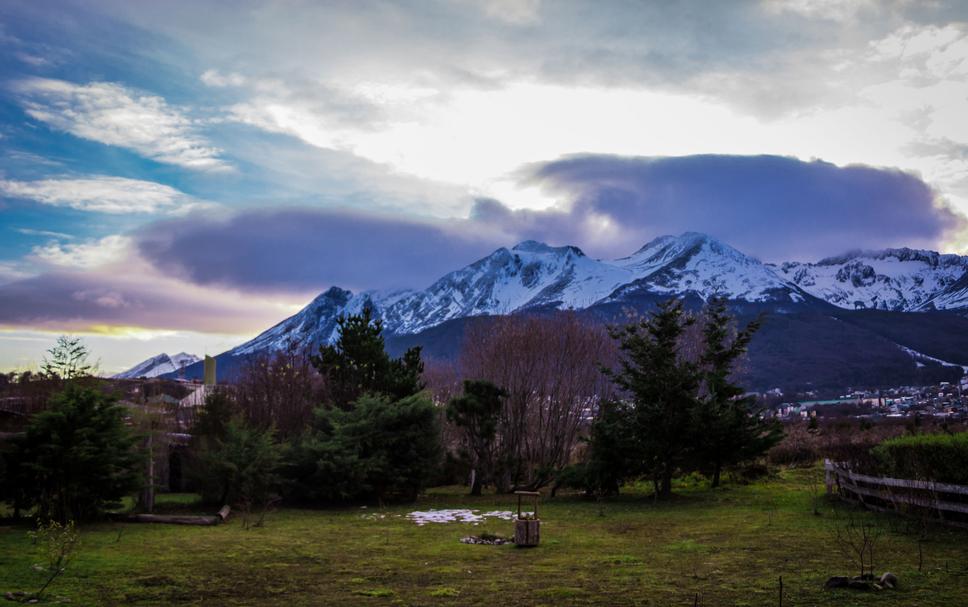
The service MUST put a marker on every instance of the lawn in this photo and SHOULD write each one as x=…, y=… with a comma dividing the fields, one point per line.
x=728, y=546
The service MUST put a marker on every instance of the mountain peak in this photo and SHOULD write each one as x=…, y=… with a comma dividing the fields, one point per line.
x=696, y=237
x=330, y=296
x=683, y=241
x=533, y=246
x=160, y=364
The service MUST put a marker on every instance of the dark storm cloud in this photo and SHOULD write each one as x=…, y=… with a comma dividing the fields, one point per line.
x=775, y=207
x=300, y=249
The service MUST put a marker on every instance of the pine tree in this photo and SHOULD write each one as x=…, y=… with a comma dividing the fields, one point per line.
x=729, y=429
x=77, y=458
x=476, y=413
x=358, y=364
x=377, y=450
x=662, y=388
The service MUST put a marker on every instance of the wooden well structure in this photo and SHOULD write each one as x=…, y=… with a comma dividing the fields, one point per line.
x=527, y=527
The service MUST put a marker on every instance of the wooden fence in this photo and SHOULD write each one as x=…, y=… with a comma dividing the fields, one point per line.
x=944, y=502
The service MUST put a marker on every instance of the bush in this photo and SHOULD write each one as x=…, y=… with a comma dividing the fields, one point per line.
x=239, y=468
x=77, y=458
x=379, y=449
x=941, y=458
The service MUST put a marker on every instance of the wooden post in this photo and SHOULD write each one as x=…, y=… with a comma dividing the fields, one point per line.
x=527, y=530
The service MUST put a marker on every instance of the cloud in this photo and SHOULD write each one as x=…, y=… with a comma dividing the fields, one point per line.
x=307, y=250
x=115, y=115
x=101, y=194
x=217, y=79
x=90, y=254
x=135, y=296
x=515, y=12
x=44, y=233
x=775, y=207
x=831, y=10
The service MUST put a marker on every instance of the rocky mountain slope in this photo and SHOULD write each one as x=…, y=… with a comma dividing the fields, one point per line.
x=902, y=280
x=533, y=275
x=822, y=311
x=162, y=364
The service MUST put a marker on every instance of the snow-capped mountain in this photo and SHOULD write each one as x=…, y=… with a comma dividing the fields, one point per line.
x=316, y=323
x=530, y=275
x=535, y=275
x=696, y=263
x=159, y=365
x=813, y=338
x=953, y=297
x=894, y=279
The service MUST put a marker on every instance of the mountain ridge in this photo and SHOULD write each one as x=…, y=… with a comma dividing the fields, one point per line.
x=158, y=365
x=536, y=277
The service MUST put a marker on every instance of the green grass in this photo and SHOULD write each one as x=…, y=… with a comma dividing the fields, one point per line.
x=728, y=545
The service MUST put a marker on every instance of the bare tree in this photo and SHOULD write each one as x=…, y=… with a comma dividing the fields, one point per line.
x=550, y=367
x=67, y=360
x=279, y=390
x=856, y=540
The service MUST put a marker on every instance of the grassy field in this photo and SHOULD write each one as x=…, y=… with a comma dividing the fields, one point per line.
x=728, y=545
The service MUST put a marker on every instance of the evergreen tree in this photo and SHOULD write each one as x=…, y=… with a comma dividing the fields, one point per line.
x=476, y=413
x=213, y=419
x=77, y=457
x=662, y=387
x=240, y=466
x=729, y=429
x=611, y=441
x=379, y=449
x=358, y=364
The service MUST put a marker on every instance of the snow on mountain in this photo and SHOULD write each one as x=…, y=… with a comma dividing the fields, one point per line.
x=529, y=275
x=534, y=275
x=919, y=359
x=893, y=279
x=702, y=265
x=316, y=323
x=159, y=365
x=953, y=297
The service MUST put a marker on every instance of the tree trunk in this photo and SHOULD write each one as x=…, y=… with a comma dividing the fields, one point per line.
x=476, y=484
x=666, y=489
x=716, y=474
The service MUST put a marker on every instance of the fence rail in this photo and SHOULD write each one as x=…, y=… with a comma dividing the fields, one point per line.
x=946, y=502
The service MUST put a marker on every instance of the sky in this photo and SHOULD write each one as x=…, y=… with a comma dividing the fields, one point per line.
x=180, y=175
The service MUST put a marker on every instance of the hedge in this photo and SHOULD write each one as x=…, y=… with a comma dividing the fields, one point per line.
x=942, y=458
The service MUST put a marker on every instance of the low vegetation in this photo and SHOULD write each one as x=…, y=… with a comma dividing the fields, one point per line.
x=657, y=463
x=728, y=546
x=937, y=457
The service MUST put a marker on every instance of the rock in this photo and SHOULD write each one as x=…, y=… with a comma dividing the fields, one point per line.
x=488, y=539
x=888, y=580
x=837, y=581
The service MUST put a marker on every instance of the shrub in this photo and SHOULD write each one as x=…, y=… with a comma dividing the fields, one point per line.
x=240, y=468
x=77, y=458
x=379, y=449
x=941, y=458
